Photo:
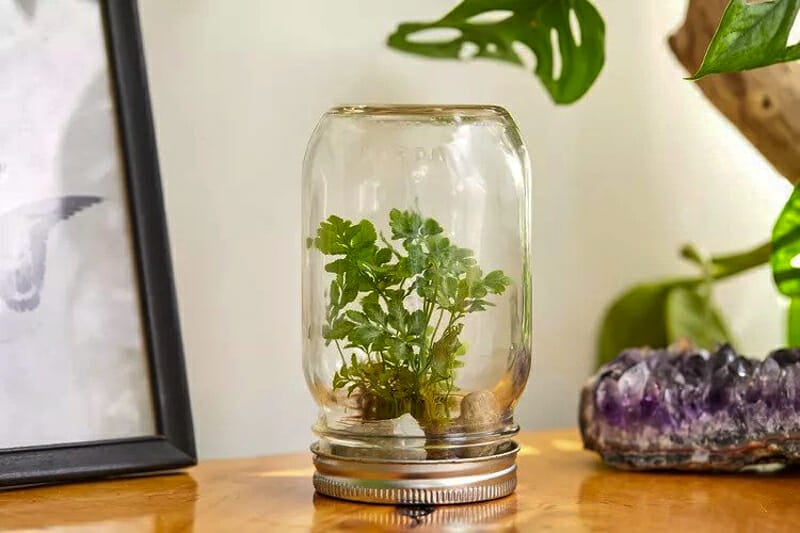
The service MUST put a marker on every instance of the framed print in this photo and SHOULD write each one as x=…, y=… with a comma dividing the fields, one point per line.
x=92, y=377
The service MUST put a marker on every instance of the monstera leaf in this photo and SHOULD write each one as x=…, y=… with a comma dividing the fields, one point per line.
x=751, y=35
x=535, y=24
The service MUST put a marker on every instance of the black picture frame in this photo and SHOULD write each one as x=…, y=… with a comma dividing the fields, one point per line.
x=173, y=444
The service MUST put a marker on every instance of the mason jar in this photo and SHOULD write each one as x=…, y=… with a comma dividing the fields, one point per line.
x=416, y=300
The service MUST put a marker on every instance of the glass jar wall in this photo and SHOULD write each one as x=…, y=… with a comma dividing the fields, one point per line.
x=416, y=280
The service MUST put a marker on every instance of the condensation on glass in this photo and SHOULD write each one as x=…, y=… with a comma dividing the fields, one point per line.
x=416, y=281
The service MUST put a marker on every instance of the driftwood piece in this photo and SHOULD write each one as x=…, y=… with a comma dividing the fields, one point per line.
x=764, y=104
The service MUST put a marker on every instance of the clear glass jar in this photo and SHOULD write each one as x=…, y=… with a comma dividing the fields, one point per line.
x=416, y=281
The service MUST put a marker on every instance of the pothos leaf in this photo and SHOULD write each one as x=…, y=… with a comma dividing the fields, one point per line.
x=637, y=318
x=786, y=247
x=530, y=23
x=751, y=35
x=658, y=314
x=693, y=316
x=793, y=324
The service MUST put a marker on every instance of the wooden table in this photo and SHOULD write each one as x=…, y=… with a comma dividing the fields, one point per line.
x=561, y=488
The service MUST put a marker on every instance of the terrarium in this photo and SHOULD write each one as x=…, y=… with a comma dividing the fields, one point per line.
x=416, y=300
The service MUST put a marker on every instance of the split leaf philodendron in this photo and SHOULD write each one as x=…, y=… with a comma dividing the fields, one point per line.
x=396, y=310
x=542, y=26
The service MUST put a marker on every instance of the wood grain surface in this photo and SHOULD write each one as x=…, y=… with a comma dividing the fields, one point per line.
x=561, y=488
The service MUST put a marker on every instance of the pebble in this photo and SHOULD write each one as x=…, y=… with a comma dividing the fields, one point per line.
x=480, y=412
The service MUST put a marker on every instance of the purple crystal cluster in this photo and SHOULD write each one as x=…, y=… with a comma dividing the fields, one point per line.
x=682, y=408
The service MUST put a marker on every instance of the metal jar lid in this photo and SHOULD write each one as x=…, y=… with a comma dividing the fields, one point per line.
x=411, y=482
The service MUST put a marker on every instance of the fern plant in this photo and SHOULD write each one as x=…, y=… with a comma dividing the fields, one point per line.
x=396, y=310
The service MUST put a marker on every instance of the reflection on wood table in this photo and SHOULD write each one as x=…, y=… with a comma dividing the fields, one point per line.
x=561, y=488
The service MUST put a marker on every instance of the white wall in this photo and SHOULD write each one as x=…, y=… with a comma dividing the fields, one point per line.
x=624, y=177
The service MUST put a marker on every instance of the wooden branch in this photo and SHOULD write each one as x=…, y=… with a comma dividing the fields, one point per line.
x=764, y=103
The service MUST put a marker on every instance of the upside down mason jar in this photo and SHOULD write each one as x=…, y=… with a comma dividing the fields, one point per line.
x=416, y=301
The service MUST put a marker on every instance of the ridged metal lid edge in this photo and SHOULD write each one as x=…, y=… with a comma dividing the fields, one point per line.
x=347, y=489
x=417, y=482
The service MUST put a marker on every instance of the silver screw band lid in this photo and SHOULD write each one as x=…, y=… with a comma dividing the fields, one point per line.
x=409, y=482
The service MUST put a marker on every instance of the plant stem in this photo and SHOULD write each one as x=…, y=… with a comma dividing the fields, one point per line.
x=454, y=317
x=390, y=246
x=436, y=329
x=428, y=308
x=729, y=265
x=732, y=264
x=341, y=354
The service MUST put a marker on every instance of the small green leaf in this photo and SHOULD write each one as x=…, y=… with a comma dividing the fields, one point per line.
x=336, y=293
x=404, y=224
x=330, y=236
x=357, y=317
x=793, y=324
x=786, y=247
x=384, y=255
x=349, y=294
x=431, y=227
x=351, y=283
x=337, y=236
x=365, y=335
x=438, y=244
x=530, y=24
x=340, y=266
x=496, y=281
x=400, y=349
x=751, y=35
x=478, y=290
x=372, y=308
x=637, y=318
x=444, y=350
x=339, y=330
x=397, y=314
x=417, y=258
x=462, y=292
x=416, y=323
x=692, y=316
x=365, y=235
x=478, y=305
x=448, y=288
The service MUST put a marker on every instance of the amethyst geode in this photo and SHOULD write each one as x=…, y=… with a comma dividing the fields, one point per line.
x=686, y=409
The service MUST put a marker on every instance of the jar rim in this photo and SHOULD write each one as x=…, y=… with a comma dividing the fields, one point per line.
x=469, y=111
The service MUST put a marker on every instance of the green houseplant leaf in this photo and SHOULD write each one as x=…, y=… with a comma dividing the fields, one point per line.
x=786, y=247
x=530, y=22
x=793, y=324
x=637, y=318
x=657, y=314
x=751, y=35
x=692, y=315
